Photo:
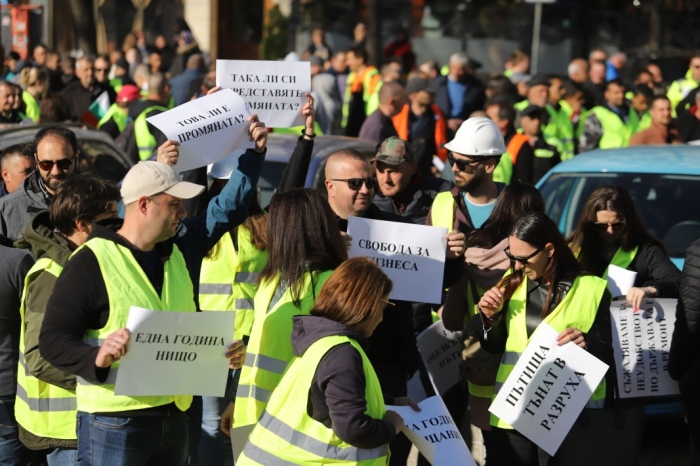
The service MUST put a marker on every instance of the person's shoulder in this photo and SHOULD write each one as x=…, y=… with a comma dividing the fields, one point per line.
x=14, y=256
x=13, y=199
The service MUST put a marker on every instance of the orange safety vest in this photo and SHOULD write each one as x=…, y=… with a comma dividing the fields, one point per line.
x=358, y=82
x=516, y=142
x=401, y=125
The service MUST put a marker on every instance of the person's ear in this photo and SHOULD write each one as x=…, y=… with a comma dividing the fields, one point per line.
x=83, y=226
x=549, y=249
x=142, y=204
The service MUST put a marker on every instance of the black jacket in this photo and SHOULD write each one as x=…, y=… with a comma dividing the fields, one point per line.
x=421, y=200
x=392, y=346
x=684, y=363
x=474, y=96
x=78, y=99
x=337, y=395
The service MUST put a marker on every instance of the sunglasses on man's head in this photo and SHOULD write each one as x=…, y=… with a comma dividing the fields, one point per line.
x=523, y=260
x=47, y=165
x=356, y=183
x=604, y=226
x=462, y=164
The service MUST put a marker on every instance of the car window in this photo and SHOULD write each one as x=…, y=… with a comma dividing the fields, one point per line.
x=664, y=202
x=101, y=159
x=270, y=178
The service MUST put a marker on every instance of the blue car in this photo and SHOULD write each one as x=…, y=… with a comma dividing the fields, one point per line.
x=664, y=182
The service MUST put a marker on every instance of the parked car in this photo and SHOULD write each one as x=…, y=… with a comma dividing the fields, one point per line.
x=98, y=152
x=663, y=181
x=279, y=151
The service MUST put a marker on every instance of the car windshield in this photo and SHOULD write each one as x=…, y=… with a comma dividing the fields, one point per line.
x=666, y=203
x=100, y=158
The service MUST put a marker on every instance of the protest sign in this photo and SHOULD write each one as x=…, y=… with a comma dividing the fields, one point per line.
x=548, y=389
x=641, y=344
x=413, y=256
x=208, y=129
x=176, y=353
x=620, y=280
x=441, y=351
x=274, y=90
x=433, y=431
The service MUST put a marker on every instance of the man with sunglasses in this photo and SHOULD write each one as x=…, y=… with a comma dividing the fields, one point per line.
x=392, y=347
x=56, y=154
x=474, y=154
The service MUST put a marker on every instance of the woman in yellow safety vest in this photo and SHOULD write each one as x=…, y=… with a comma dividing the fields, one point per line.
x=329, y=408
x=305, y=246
x=485, y=265
x=35, y=83
x=546, y=284
x=610, y=231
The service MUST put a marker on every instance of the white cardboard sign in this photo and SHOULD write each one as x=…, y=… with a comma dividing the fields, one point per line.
x=274, y=90
x=176, y=353
x=548, y=388
x=620, y=280
x=208, y=129
x=441, y=351
x=641, y=343
x=433, y=431
x=413, y=256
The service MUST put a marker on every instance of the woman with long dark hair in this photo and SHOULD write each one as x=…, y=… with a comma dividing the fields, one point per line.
x=330, y=391
x=546, y=284
x=304, y=245
x=610, y=231
x=485, y=265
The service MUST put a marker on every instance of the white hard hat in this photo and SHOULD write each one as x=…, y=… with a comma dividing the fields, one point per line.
x=477, y=136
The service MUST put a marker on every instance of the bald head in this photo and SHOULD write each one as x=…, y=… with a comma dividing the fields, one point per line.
x=353, y=195
x=158, y=86
x=392, y=98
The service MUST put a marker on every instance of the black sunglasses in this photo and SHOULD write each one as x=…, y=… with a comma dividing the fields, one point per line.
x=356, y=183
x=615, y=226
x=462, y=164
x=522, y=260
x=63, y=164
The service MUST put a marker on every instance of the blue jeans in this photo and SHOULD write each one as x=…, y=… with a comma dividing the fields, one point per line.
x=211, y=445
x=12, y=452
x=62, y=457
x=134, y=441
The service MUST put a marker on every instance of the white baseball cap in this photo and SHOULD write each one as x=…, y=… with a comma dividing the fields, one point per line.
x=149, y=178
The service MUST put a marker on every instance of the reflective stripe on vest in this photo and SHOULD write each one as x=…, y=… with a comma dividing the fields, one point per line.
x=269, y=346
x=286, y=434
x=145, y=141
x=129, y=286
x=443, y=211
x=114, y=113
x=43, y=409
x=622, y=258
x=229, y=279
x=578, y=309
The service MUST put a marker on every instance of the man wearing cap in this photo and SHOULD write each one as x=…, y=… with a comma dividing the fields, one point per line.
x=117, y=117
x=423, y=124
x=459, y=93
x=546, y=155
x=556, y=126
x=378, y=126
x=403, y=189
x=152, y=260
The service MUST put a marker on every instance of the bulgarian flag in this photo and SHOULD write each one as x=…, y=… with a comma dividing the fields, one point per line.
x=97, y=109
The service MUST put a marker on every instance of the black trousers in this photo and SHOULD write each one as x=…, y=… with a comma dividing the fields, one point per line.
x=514, y=449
